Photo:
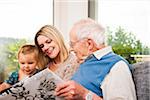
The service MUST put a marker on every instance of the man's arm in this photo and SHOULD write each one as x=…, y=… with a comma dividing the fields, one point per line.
x=72, y=90
x=118, y=84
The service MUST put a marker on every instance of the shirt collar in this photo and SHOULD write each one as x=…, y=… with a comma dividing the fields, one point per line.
x=100, y=53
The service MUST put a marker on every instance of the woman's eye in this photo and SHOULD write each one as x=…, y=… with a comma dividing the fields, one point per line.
x=41, y=46
x=49, y=41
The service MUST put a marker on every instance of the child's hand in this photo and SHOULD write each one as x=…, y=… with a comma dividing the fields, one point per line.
x=4, y=86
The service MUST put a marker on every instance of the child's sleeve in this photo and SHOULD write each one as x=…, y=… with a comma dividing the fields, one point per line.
x=13, y=78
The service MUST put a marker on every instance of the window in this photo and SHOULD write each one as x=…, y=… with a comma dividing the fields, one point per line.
x=125, y=17
x=22, y=18
x=19, y=22
x=132, y=15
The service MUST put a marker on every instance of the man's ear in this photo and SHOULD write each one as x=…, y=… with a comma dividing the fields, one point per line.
x=90, y=44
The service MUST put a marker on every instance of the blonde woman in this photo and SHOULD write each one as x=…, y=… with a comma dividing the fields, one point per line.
x=51, y=45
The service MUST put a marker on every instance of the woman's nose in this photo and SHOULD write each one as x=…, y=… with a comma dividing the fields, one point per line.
x=45, y=48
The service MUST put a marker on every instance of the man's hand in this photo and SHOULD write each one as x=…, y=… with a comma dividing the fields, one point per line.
x=71, y=90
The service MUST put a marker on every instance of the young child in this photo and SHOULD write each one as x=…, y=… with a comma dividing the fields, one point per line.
x=28, y=58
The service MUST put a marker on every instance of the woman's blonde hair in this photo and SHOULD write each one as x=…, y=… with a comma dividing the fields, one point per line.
x=28, y=49
x=52, y=33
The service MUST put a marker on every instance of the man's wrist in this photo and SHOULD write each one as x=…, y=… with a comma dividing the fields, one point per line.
x=89, y=96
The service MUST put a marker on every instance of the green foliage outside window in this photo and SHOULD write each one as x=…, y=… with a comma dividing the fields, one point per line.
x=8, y=58
x=124, y=43
x=12, y=51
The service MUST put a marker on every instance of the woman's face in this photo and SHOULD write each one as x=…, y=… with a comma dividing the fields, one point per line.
x=48, y=46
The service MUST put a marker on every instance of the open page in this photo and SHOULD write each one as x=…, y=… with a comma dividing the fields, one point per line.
x=38, y=87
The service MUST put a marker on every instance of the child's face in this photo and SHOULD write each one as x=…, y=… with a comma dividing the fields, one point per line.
x=27, y=63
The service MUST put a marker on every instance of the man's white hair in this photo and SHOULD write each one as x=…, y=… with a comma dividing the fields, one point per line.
x=88, y=28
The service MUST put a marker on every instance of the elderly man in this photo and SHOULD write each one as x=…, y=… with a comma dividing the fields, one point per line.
x=102, y=74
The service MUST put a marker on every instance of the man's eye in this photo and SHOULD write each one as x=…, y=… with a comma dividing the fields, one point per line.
x=22, y=63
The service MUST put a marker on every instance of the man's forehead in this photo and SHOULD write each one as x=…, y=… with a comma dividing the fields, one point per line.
x=73, y=35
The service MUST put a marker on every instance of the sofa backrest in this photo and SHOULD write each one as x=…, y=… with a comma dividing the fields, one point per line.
x=141, y=76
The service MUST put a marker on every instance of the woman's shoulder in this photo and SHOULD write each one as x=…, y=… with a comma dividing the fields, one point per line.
x=72, y=57
x=68, y=68
x=70, y=61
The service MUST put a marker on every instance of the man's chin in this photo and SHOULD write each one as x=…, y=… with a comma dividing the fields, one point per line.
x=80, y=61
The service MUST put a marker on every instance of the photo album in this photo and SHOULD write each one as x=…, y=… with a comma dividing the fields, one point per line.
x=41, y=86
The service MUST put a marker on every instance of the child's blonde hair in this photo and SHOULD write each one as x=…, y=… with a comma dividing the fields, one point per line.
x=28, y=49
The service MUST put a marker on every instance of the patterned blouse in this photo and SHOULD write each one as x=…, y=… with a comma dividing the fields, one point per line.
x=68, y=68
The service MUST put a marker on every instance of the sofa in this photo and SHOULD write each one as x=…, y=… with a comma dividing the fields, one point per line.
x=141, y=76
